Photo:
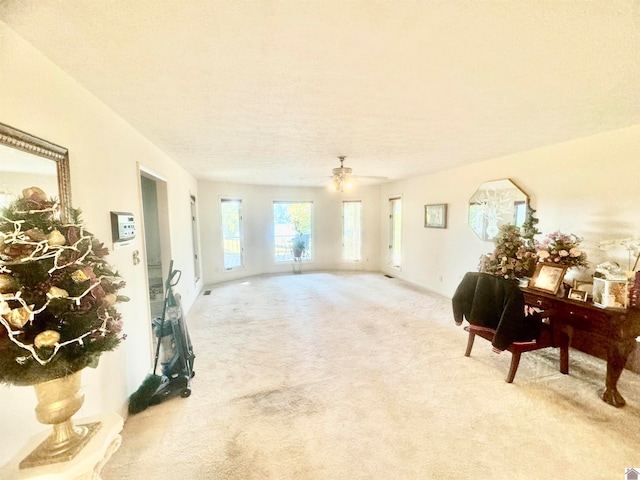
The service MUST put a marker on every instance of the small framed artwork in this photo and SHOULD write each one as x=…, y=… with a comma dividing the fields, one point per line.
x=548, y=277
x=580, y=295
x=435, y=216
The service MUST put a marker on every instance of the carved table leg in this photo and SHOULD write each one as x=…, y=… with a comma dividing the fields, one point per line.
x=616, y=359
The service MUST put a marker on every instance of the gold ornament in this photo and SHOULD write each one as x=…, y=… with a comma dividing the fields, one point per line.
x=34, y=193
x=110, y=299
x=18, y=317
x=79, y=276
x=7, y=283
x=48, y=338
x=55, y=292
x=56, y=238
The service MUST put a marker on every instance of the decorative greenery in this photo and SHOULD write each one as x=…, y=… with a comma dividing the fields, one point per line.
x=57, y=293
x=529, y=228
x=298, y=245
x=512, y=257
x=562, y=249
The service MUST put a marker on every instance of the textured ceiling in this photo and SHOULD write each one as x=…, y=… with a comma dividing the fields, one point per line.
x=271, y=92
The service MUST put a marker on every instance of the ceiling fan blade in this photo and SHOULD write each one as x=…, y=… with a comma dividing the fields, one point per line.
x=370, y=177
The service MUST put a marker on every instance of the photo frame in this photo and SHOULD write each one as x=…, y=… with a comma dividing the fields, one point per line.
x=583, y=286
x=579, y=295
x=435, y=216
x=548, y=277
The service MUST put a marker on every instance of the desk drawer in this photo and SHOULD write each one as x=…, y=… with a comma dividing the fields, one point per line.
x=538, y=301
x=585, y=319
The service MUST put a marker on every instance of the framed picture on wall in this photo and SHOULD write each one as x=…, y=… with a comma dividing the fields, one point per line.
x=435, y=216
x=548, y=277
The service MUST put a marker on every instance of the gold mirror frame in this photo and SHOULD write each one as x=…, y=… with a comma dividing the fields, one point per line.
x=14, y=138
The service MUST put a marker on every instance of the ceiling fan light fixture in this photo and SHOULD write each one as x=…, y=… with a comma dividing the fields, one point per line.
x=335, y=184
x=341, y=177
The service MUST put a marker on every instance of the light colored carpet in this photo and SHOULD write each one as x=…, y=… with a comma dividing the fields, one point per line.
x=329, y=376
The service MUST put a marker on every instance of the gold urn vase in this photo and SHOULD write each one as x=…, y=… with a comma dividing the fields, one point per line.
x=58, y=400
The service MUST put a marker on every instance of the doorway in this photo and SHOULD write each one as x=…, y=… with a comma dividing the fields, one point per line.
x=156, y=237
x=395, y=232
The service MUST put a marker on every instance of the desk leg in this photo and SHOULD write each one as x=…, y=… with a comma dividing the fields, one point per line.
x=616, y=360
x=563, y=339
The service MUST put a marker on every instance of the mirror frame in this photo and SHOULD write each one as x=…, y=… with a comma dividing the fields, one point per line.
x=514, y=186
x=14, y=138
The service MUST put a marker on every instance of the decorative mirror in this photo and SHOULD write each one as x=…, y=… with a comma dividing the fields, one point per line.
x=494, y=204
x=27, y=161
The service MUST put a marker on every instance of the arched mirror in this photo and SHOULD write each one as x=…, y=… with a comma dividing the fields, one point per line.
x=496, y=203
x=27, y=161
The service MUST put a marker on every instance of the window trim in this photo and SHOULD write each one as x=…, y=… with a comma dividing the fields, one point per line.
x=309, y=257
x=222, y=200
x=352, y=260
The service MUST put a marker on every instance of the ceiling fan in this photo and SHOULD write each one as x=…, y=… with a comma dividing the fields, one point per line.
x=342, y=177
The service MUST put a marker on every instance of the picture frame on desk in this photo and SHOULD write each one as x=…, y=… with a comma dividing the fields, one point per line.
x=548, y=277
x=583, y=286
x=580, y=295
x=435, y=216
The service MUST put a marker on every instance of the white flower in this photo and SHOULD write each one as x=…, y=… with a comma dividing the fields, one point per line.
x=543, y=254
x=575, y=252
x=605, y=244
x=563, y=253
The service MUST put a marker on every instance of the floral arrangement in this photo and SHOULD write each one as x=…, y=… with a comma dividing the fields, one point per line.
x=561, y=249
x=512, y=257
x=632, y=245
x=57, y=293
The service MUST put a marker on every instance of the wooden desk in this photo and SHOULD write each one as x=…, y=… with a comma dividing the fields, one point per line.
x=609, y=333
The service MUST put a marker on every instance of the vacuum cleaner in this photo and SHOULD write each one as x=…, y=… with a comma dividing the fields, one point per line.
x=174, y=352
x=173, y=348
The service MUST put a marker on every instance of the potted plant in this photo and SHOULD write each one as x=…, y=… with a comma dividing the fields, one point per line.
x=57, y=314
x=298, y=246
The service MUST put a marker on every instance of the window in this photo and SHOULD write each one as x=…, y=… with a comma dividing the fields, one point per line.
x=352, y=231
x=232, y=242
x=395, y=232
x=292, y=221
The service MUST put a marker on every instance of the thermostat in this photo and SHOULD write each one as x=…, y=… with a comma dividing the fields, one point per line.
x=123, y=226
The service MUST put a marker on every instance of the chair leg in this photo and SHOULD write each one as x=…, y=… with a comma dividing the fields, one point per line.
x=472, y=336
x=515, y=361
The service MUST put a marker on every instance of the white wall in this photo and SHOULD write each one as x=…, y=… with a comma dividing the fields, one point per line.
x=104, y=152
x=257, y=209
x=588, y=187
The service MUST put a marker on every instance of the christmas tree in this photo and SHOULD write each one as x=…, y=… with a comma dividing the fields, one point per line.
x=57, y=293
x=512, y=257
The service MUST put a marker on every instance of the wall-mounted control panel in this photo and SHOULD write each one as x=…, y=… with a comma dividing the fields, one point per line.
x=123, y=226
